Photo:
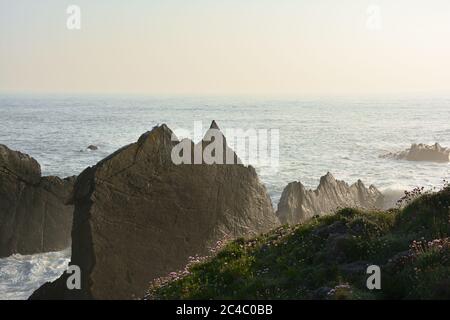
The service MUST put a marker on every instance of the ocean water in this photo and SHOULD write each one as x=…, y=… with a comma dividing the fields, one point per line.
x=343, y=135
x=21, y=275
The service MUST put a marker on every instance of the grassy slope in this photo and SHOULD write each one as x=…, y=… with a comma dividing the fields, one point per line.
x=327, y=258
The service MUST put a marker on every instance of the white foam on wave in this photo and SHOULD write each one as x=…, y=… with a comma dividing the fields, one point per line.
x=21, y=275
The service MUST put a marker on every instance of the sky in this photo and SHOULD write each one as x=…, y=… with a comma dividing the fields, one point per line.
x=226, y=47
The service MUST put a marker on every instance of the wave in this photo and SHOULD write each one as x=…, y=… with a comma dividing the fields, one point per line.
x=21, y=275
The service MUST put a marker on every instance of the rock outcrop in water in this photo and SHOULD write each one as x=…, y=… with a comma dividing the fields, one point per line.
x=422, y=152
x=139, y=216
x=297, y=204
x=33, y=215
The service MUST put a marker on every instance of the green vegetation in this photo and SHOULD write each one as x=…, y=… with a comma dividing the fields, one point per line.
x=327, y=258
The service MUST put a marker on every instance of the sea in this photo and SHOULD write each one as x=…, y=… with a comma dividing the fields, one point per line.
x=342, y=135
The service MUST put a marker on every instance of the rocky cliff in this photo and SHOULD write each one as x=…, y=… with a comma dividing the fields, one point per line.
x=33, y=215
x=297, y=204
x=422, y=152
x=139, y=216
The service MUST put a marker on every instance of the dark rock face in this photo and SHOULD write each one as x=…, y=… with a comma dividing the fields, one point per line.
x=33, y=215
x=297, y=204
x=422, y=152
x=139, y=216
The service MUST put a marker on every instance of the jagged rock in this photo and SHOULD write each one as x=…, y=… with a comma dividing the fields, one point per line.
x=422, y=152
x=297, y=204
x=92, y=147
x=139, y=216
x=33, y=215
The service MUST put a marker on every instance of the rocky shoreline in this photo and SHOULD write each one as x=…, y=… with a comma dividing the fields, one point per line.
x=137, y=216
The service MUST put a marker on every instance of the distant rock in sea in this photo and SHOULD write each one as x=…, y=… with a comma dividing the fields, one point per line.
x=138, y=216
x=92, y=147
x=297, y=204
x=33, y=215
x=422, y=152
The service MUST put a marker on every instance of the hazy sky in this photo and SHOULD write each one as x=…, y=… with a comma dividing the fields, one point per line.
x=227, y=47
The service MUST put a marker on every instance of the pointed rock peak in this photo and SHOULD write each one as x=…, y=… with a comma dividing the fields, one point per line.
x=360, y=184
x=212, y=131
x=214, y=125
x=159, y=132
x=326, y=180
x=297, y=185
x=163, y=130
x=328, y=177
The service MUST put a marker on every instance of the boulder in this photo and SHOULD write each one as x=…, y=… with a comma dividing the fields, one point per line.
x=139, y=216
x=422, y=152
x=297, y=204
x=33, y=215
